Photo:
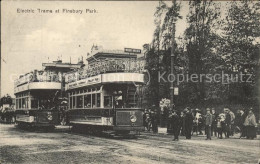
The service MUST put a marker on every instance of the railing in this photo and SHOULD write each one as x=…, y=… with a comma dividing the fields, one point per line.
x=100, y=67
x=39, y=76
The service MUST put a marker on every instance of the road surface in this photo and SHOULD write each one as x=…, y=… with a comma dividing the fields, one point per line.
x=62, y=146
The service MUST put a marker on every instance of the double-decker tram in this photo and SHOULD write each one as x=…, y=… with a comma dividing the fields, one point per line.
x=37, y=95
x=104, y=95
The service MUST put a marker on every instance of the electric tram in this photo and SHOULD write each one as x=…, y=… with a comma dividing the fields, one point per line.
x=105, y=94
x=38, y=94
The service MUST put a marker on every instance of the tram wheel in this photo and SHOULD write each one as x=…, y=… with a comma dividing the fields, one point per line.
x=123, y=132
x=30, y=127
x=21, y=125
x=50, y=128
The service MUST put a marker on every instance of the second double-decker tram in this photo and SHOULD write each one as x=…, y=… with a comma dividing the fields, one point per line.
x=38, y=95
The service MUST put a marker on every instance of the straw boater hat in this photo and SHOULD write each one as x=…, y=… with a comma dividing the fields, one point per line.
x=226, y=109
x=186, y=109
x=222, y=115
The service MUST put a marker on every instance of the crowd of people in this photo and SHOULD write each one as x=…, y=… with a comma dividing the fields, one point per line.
x=7, y=115
x=191, y=121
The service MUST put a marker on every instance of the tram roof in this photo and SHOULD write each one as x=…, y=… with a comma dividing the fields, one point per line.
x=59, y=64
x=111, y=53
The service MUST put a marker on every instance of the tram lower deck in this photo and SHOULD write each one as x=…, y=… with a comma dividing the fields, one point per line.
x=37, y=118
x=37, y=108
x=105, y=105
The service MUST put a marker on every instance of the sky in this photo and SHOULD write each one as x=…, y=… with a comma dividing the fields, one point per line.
x=30, y=39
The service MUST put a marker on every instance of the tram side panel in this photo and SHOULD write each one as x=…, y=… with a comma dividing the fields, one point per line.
x=37, y=117
x=108, y=119
x=98, y=117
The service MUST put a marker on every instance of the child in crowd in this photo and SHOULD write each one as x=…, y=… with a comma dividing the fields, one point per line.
x=219, y=128
x=223, y=124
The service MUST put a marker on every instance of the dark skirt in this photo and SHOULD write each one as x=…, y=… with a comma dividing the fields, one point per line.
x=250, y=132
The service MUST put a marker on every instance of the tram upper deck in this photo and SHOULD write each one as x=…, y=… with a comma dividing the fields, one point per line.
x=51, y=78
x=37, y=89
x=107, y=71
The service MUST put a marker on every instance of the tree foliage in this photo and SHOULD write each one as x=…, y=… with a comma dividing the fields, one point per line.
x=214, y=42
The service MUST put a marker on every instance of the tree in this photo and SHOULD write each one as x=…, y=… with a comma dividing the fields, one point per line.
x=200, y=37
x=240, y=47
x=152, y=92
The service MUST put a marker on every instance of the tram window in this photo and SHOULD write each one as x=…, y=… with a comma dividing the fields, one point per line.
x=43, y=104
x=17, y=104
x=79, y=101
x=20, y=103
x=71, y=102
x=34, y=103
x=94, y=100
x=107, y=101
x=74, y=102
x=98, y=100
x=26, y=102
x=87, y=101
x=23, y=103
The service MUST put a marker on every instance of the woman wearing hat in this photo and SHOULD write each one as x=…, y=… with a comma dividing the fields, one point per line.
x=250, y=125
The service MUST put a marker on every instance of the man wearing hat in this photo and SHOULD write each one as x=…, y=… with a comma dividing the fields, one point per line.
x=227, y=121
x=175, y=125
x=154, y=119
x=208, y=123
x=188, y=122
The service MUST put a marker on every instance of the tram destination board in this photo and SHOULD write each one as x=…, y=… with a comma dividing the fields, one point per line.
x=132, y=50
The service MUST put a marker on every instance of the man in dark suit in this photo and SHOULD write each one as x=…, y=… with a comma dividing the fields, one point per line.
x=241, y=123
x=188, y=122
x=208, y=124
x=176, y=125
x=227, y=121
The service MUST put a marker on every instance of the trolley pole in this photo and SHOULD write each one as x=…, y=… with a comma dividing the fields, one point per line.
x=172, y=60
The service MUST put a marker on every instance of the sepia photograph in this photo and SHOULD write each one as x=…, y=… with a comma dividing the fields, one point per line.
x=131, y=82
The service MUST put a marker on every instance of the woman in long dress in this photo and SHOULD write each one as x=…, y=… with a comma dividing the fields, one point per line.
x=250, y=125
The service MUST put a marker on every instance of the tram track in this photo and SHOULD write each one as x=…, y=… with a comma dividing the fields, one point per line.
x=142, y=145
x=147, y=148
x=167, y=147
x=165, y=140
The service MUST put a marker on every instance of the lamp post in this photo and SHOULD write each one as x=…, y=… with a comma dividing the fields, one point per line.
x=172, y=60
x=172, y=65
